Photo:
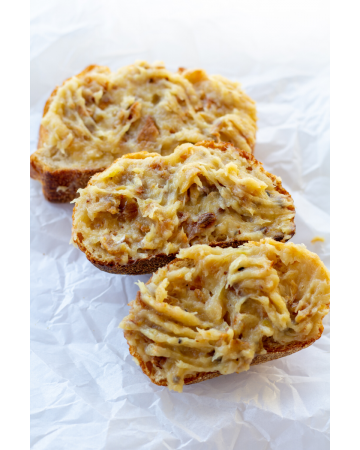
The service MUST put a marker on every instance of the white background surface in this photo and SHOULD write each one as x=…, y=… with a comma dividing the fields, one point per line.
x=86, y=391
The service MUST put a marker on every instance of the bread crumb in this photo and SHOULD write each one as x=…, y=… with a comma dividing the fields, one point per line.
x=317, y=239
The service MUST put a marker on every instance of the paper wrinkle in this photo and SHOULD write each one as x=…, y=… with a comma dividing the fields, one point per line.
x=87, y=392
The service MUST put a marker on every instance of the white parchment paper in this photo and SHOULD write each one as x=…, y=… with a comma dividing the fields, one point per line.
x=87, y=393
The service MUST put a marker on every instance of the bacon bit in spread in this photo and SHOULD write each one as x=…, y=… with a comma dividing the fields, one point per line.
x=105, y=101
x=134, y=112
x=158, y=361
x=206, y=220
x=182, y=216
x=128, y=209
x=149, y=131
x=278, y=237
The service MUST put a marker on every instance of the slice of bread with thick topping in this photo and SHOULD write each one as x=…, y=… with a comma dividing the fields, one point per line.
x=136, y=215
x=217, y=311
x=98, y=115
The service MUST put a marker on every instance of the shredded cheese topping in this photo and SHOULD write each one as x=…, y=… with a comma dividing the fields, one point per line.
x=210, y=310
x=145, y=204
x=99, y=115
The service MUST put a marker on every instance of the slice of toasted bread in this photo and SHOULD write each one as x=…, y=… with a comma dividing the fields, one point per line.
x=98, y=115
x=217, y=311
x=136, y=215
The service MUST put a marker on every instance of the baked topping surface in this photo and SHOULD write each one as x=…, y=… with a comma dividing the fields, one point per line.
x=99, y=115
x=210, y=309
x=145, y=204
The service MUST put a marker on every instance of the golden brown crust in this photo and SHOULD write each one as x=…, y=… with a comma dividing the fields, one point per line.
x=139, y=267
x=151, y=264
x=145, y=265
x=59, y=186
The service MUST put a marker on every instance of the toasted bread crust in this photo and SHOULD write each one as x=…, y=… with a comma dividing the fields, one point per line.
x=151, y=264
x=274, y=351
x=146, y=265
x=60, y=186
x=139, y=267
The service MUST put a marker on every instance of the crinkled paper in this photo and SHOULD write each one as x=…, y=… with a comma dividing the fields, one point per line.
x=87, y=393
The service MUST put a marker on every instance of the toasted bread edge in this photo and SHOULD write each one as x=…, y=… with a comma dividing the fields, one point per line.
x=146, y=265
x=59, y=186
x=274, y=351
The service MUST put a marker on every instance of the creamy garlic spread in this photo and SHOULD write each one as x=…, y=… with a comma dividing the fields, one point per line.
x=145, y=204
x=209, y=311
x=99, y=115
